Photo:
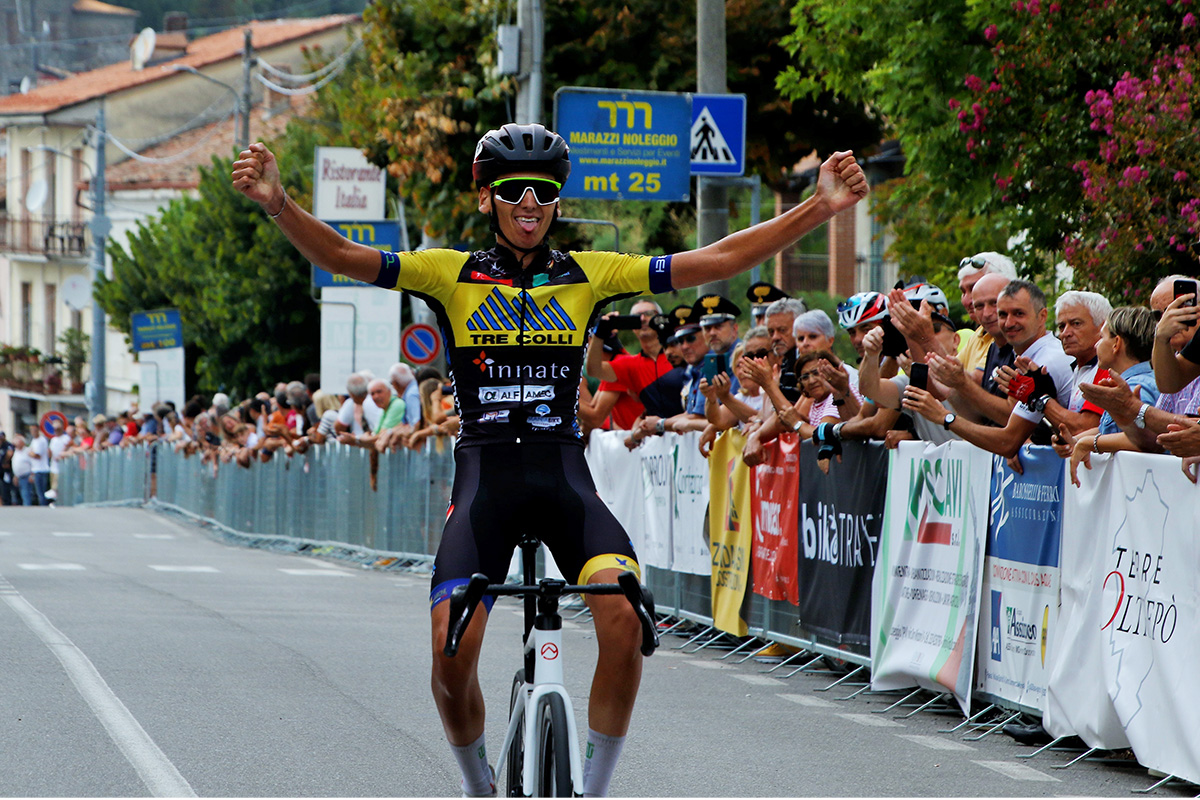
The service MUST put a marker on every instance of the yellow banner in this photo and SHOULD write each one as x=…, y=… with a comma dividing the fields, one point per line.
x=729, y=530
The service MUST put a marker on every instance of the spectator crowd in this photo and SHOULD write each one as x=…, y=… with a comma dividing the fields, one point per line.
x=1106, y=379
x=402, y=411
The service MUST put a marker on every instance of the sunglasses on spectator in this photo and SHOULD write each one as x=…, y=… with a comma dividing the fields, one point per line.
x=512, y=190
x=757, y=354
x=691, y=337
x=973, y=261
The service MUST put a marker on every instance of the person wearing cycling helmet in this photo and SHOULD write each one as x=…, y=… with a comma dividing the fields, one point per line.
x=861, y=313
x=515, y=318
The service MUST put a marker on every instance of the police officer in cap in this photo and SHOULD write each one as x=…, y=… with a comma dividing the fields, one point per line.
x=761, y=295
x=718, y=320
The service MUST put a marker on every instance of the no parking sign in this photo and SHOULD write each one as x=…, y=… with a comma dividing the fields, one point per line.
x=47, y=421
x=420, y=344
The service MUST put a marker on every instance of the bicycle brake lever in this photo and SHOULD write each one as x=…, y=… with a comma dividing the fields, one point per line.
x=463, y=601
x=643, y=604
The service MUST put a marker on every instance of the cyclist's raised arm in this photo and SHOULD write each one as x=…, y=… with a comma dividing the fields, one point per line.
x=256, y=175
x=840, y=185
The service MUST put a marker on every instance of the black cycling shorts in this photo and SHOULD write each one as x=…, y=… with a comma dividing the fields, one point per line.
x=502, y=491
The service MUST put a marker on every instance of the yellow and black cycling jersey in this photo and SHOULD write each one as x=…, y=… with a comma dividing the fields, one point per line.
x=515, y=338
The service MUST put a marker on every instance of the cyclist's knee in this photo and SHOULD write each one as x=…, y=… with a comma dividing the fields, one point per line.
x=617, y=624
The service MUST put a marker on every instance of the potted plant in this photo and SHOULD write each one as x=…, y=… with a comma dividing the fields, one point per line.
x=76, y=348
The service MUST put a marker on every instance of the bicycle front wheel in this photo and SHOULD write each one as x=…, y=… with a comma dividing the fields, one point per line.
x=554, y=748
x=516, y=752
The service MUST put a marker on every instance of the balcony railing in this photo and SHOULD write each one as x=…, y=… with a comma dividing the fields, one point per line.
x=44, y=236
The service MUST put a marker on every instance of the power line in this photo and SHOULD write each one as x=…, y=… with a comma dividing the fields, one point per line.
x=310, y=76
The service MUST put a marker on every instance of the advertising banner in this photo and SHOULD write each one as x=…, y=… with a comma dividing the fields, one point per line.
x=1077, y=702
x=776, y=491
x=729, y=530
x=1144, y=534
x=925, y=592
x=1021, y=578
x=618, y=477
x=657, y=456
x=840, y=525
x=689, y=536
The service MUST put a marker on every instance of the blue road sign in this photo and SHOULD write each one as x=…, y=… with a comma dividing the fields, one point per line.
x=625, y=145
x=381, y=234
x=156, y=330
x=718, y=134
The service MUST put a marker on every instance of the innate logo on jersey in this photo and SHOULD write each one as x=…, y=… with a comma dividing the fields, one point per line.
x=512, y=394
x=498, y=313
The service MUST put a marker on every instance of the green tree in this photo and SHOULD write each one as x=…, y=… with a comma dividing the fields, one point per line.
x=994, y=104
x=240, y=287
x=431, y=92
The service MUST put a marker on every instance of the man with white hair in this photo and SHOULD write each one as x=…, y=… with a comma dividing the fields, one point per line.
x=404, y=384
x=358, y=414
x=1079, y=316
x=972, y=352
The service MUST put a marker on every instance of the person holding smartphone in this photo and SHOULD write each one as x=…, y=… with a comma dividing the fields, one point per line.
x=1173, y=370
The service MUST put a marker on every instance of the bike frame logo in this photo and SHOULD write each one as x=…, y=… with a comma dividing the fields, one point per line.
x=549, y=651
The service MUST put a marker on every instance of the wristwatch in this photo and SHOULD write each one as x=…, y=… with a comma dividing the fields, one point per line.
x=839, y=401
x=799, y=422
x=1140, y=420
x=949, y=420
x=1038, y=404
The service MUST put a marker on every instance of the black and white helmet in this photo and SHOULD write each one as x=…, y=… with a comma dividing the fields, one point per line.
x=515, y=148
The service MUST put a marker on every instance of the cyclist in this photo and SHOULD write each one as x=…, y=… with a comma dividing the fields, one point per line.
x=515, y=318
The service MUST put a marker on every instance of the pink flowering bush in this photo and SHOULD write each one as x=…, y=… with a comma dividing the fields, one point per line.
x=1140, y=207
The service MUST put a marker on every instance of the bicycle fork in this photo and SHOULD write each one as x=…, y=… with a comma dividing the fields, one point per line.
x=546, y=648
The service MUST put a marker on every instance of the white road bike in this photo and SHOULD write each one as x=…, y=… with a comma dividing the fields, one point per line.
x=541, y=746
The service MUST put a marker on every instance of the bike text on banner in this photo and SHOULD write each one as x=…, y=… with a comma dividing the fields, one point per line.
x=841, y=521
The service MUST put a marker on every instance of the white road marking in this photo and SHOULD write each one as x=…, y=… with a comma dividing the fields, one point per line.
x=154, y=536
x=157, y=772
x=180, y=568
x=871, y=720
x=323, y=573
x=64, y=567
x=1018, y=772
x=760, y=680
x=807, y=700
x=665, y=653
x=936, y=742
x=6, y=533
x=73, y=534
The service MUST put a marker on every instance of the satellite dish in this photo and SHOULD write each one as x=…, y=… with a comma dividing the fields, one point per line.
x=26, y=84
x=142, y=48
x=77, y=292
x=35, y=198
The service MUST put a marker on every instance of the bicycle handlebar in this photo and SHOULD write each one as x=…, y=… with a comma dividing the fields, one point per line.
x=465, y=598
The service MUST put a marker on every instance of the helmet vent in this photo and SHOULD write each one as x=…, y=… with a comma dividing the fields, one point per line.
x=528, y=137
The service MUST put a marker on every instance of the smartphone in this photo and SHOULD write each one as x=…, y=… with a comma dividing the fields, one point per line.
x=714, y=364
x=1184, y=286
x=918, y=376
x=626, y=322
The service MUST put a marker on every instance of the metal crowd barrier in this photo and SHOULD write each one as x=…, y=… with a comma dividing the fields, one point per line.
x=324, y=495
x=109, y=477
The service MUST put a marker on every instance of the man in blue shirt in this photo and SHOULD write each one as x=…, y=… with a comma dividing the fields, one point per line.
x=404, y=384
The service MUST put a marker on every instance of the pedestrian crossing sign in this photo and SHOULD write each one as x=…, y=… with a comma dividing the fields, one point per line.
x=718, y=136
